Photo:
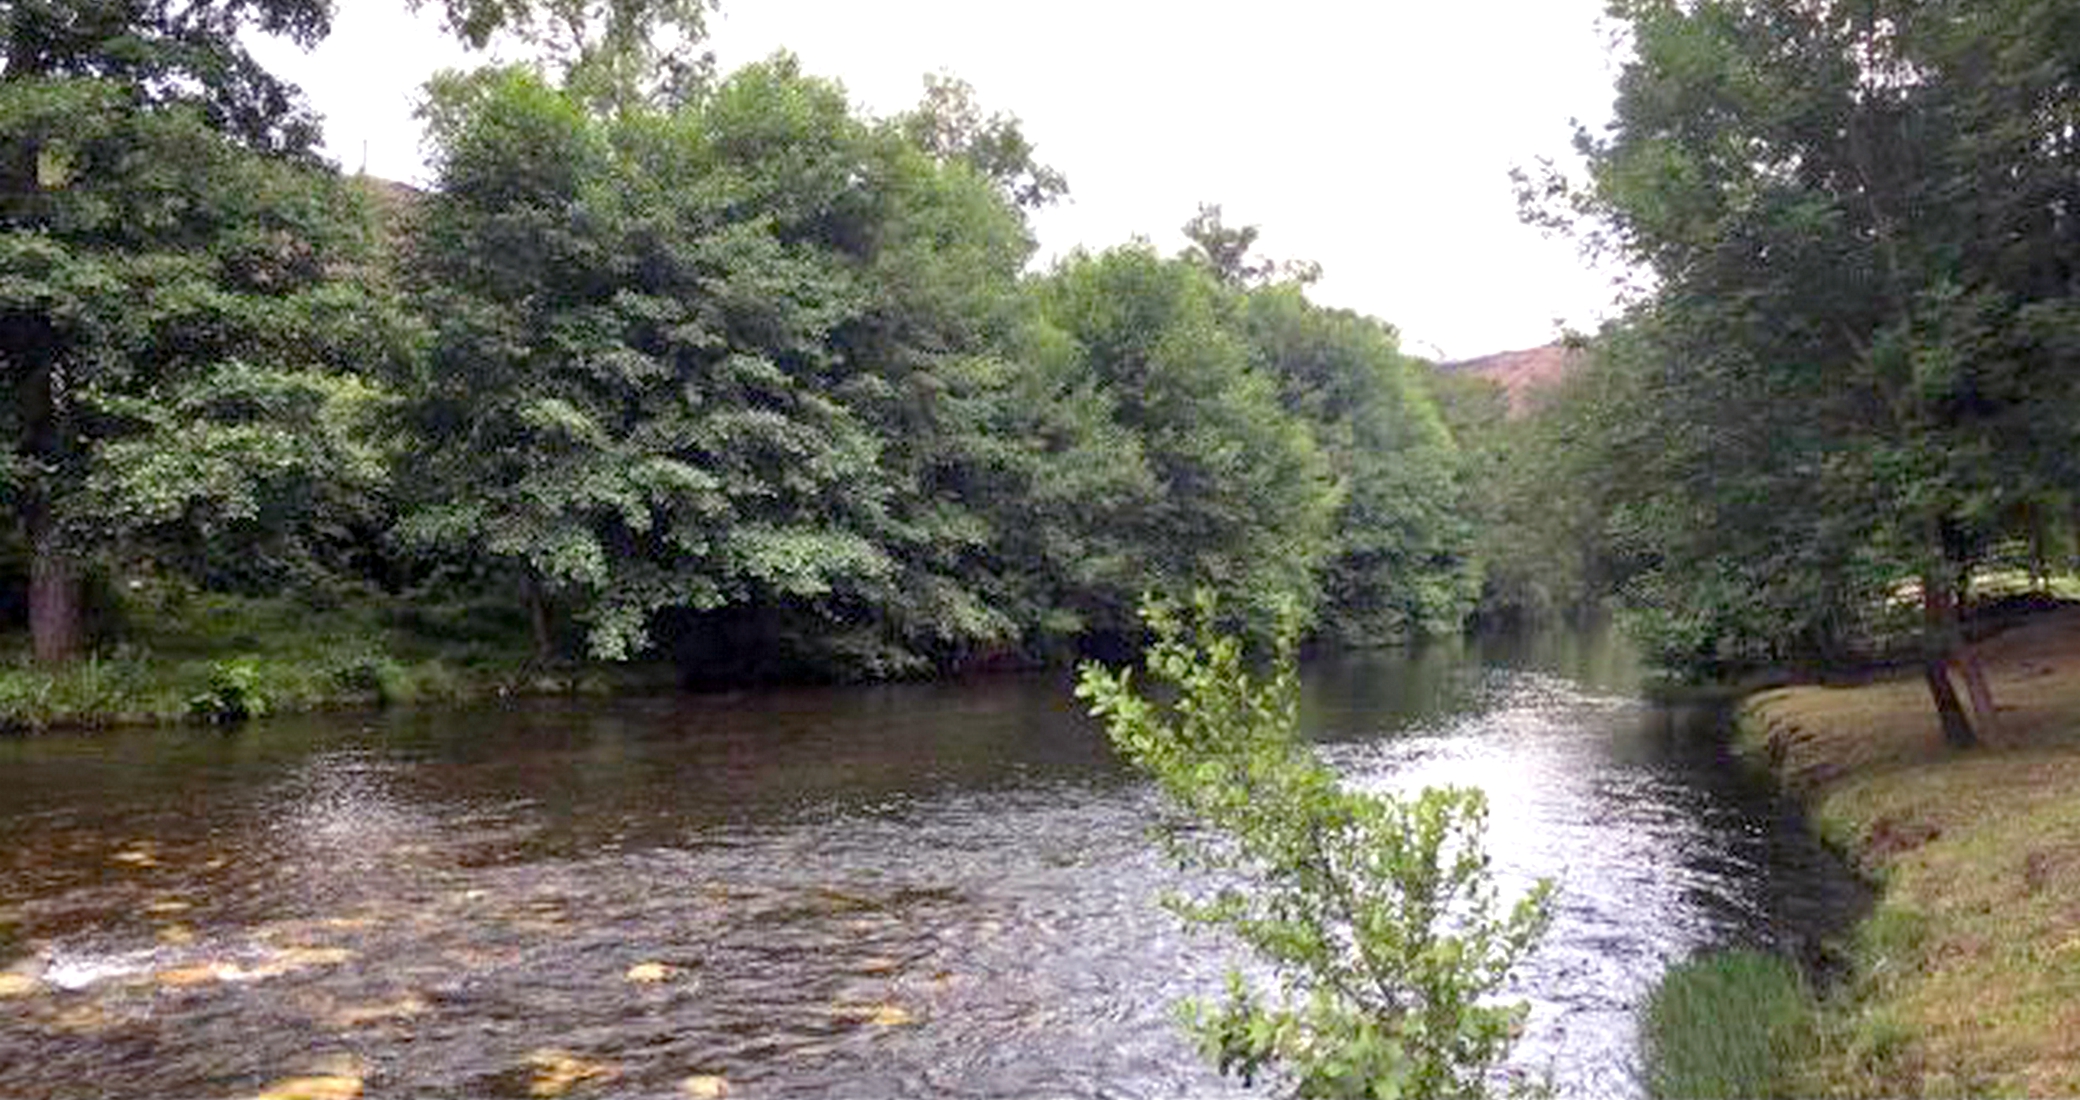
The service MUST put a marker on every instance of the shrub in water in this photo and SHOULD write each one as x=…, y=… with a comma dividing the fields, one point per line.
x=233, y=695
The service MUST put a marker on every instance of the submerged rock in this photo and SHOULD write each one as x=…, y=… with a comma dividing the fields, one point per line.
x=341, y=1082
x=647, y=973
x=886, y=1014
x=354, y=1016
x=313, y=1088
x=556, y=1072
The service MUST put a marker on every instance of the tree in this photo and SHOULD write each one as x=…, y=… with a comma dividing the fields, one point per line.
x=176, y=281
x=1244, y=498
x=609, y=54
x=1401, y=561
x=1853, y=361
x=948, y=124
x=160, y=57
x=1375, y=914
x=732, y=368
x=1225, y=251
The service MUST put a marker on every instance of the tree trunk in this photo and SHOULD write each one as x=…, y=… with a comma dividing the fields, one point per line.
x=56, y=631
x=538, y=619
x=2039, y=550
x=1981, y=692
x=1957, y=729
x=1940, y=640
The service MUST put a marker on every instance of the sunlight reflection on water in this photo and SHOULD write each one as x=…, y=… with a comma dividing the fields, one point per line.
x=906, y=891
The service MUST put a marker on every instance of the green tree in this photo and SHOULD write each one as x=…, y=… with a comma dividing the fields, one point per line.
x=1401, y=561
x=1225, y=250
x=1375, y=914
x=1243, y=498
x=738, y=362
x=630, y=394
x=1850, y=371
x=610, y=54
x=180, y=300
x=948, y=124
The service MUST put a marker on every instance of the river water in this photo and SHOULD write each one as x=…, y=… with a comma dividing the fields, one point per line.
x=901, y=891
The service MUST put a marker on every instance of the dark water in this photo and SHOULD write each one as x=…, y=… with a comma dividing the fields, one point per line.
x=909, y=891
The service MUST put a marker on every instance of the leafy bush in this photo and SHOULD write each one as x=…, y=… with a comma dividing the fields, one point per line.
x=233, y=695
x=1374, y=914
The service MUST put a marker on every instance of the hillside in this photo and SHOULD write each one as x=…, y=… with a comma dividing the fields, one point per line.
x=1520, y=373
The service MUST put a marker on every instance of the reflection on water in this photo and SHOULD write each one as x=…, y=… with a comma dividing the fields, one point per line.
x=923, y=890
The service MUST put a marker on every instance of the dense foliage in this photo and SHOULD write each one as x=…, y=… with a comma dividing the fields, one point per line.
x=1848, y=390
x=1375, y=914
x=719, y=369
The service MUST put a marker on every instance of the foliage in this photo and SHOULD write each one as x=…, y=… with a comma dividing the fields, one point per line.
x=680, y=353
x=1224, y=250
x=609, y=54
x=233, y=694
x=192, y=57
x=184, y=653
x=1849, y=375
x=1243, y=499
x=1400, y=561
x=180, y=302
x=724, y=369
x=948, y=124
x=1726, y=1025
x=1374, y=913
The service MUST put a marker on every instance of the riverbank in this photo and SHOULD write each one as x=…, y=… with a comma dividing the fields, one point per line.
x=215, y=658
x=1966, y=977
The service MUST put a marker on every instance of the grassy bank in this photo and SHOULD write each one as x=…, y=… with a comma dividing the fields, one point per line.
x=1967, y=974
x=213, y=657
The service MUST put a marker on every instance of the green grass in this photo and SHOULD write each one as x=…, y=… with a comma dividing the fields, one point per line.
x=1727, y=1024
x=212, y=657
x=1966, y=977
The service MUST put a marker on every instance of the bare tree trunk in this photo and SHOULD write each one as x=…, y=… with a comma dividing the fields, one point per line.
x=1962, y=650
x=538, y=619
x=1957, y=729
x=1939, y=641
x=2039, y=550
x=1981, y=693
x=56, y=631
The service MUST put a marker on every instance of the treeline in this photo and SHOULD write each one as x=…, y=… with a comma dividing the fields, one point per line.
x=1849, y=395
x=720, y=369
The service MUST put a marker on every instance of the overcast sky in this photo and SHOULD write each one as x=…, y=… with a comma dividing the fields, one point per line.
x=1373, y=137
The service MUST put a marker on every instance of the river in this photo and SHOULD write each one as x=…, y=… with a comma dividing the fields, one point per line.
x=934, y=890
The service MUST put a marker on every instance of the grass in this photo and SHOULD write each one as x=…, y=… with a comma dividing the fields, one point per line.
x=211, y=657
x=1967, y=975
x=1727, y=1024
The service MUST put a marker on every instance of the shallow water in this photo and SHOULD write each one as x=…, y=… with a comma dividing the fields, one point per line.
x=904, y=891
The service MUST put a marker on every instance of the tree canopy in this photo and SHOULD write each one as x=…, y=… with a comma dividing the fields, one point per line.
x=721, y=369
x=1848, y=381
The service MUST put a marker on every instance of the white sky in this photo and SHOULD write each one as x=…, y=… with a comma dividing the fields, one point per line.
x=1372, y=136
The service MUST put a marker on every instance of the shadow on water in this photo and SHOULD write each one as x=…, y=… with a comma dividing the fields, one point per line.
x=910, y=890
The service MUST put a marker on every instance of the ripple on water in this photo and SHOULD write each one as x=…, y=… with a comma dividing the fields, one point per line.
x=896, y=892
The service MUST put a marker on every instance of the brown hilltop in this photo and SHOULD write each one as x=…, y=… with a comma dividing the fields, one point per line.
x=1521, y=374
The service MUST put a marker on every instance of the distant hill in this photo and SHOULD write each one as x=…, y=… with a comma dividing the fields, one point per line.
x=1520, y=373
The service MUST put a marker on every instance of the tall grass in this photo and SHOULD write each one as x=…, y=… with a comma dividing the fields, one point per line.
x=1726, y=1024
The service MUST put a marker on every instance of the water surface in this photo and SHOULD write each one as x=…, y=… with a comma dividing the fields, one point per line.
x=901, y=891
